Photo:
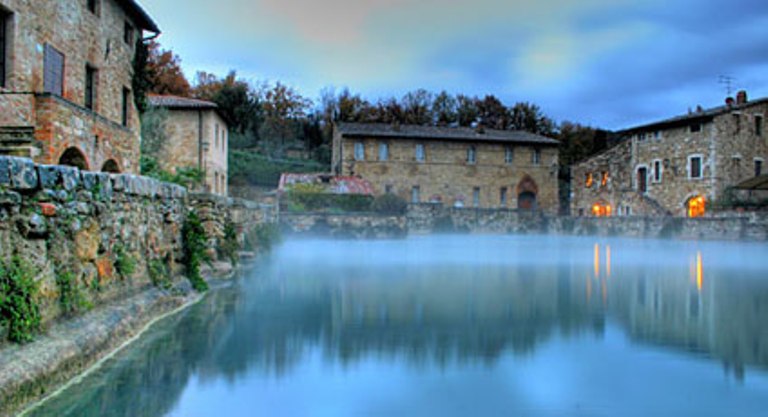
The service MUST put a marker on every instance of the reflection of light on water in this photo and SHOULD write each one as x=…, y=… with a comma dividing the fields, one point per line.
x=699, y=272
x=608, y=260
x=597, y=260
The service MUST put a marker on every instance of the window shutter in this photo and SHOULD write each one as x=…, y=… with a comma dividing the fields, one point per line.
x=53, y=72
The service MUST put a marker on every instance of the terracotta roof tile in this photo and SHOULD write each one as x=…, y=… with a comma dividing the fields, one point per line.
x=382, y=130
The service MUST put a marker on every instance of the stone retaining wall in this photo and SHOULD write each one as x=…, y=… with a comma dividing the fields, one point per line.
x=428, y=218
x=87, y=225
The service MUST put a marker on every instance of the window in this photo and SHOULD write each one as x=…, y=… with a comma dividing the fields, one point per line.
x=128, y=33
x=53, y=71
x=415, y=194
x=642, y=179
x=125, y=104
x=604, y=179
x=90, y=87
x=216, y=136
x=93, y=6
x=476, y=197
x=4, y=18
x=737, y=122
x=759, y=125
x=694, y=167
x=657, y=167
x=359, y=151
x=758, y=167
x=471, y=155
x=420, y=152
x=388, y=188
x=588, y=180
x=503, y=196
x=383, y=151
x=536, y=156
x=509, y=155
x=695, y=128
x=657, y=135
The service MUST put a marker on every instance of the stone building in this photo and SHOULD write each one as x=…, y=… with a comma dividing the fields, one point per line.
x=677, y=166
x=460, y=167
x=66, y=70
x=196, y=137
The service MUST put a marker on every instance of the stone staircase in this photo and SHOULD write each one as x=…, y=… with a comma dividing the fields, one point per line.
x=655, y=205
x=18, y=141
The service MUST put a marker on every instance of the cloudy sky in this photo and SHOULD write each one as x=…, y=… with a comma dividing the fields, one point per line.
x=608, y=63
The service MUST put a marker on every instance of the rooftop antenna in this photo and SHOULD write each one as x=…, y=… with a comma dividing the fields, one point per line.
x=727, y=81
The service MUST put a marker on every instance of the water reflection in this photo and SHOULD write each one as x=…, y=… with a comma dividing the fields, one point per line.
x=441, y=304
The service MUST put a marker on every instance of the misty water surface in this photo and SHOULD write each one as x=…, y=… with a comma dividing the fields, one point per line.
x=458, y=326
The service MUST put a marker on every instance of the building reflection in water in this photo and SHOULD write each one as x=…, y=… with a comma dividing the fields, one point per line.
x=441, y=314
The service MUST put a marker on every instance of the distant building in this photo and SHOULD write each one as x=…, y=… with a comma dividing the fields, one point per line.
x=677, y=166
x=66, y=71
x=328, y=183
x=197, y=137
x=461, y=167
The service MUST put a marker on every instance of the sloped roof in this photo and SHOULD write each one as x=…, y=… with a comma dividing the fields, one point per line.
x=332, y=184
x=176, y=102
x=685, y=119
x=383, y=130
x=139, y=16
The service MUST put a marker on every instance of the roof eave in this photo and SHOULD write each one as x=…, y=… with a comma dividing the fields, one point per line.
x=140, y=17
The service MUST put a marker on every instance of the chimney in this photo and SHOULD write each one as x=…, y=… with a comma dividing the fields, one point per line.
x=729, y=101
x=699, y=109
x=741, y=97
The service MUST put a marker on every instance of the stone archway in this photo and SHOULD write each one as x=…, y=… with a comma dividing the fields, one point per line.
x=75, y=158
x=111, y=166
x=527, y=191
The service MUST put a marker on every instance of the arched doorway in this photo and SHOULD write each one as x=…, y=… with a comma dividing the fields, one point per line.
x=696, y=206
x=527, y=190
x=111, y=167
x=74, y=158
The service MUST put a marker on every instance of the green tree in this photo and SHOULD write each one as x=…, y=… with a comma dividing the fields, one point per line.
x=445, y=109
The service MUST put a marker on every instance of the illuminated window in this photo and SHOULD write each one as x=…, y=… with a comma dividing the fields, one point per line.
x=588, y=180
x=604, y=179
x=602, y=210
x=696, y=206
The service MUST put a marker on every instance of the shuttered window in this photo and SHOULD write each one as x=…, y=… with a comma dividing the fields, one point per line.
x=53, y=74
x=126, y=102
x=3, y=39
x=90, y=87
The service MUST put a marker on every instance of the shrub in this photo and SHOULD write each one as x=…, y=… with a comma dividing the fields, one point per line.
x=194, y=241
x=310, y=201
x=71, y=294
x=159, y=273
x=125, y=263
x=389, y=203
x=18, y=300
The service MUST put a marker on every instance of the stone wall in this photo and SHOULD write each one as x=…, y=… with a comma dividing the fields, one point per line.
x=64, y=221
x=430, y=218
x=346, y=225
x=446, y=176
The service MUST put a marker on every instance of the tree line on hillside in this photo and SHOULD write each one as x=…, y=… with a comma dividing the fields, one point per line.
x=270, y=119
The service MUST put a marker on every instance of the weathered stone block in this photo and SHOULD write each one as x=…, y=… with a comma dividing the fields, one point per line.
x=70, y=177
x=33, y=226
x=89, y=179
x=23, y=174
x=119, y=181
x=5, y=171
x=49, y=175
x=9, y=198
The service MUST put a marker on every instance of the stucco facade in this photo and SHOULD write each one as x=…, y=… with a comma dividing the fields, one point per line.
x=455, y=166
x=675, y=165
x=65, y=94
x=196, y=137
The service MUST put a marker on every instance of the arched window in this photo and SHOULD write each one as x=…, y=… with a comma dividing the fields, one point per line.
x=74, y=158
